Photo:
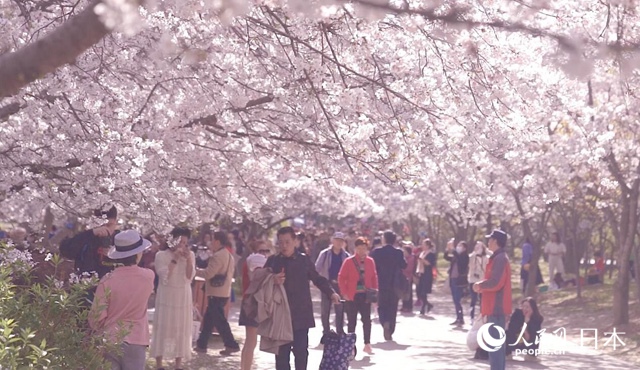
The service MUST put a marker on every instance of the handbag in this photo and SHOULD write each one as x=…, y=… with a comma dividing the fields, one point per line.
x=218, y=280
x=472, y=335
x=370, y=293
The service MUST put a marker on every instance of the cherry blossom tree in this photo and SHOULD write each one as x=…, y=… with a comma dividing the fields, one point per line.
x=181, y=111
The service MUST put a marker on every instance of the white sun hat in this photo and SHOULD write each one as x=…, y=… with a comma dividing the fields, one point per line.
x=126, y=244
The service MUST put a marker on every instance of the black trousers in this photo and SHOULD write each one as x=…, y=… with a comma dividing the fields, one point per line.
x=388, y=308
x=407, y=300
x=300, y=349
x=215, y=317
x=361, y=306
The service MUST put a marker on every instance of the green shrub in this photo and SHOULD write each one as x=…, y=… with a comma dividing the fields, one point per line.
x=43, y=321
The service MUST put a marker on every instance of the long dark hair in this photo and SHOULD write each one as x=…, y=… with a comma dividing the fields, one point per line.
x=535, y=313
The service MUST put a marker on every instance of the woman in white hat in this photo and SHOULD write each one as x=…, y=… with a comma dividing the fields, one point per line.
x=120, y=303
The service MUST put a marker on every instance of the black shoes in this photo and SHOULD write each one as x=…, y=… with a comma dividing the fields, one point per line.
x=428, y=305
x=228, y=351
x=458, y=322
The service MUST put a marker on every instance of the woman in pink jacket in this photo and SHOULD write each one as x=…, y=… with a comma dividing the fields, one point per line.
x=357, y=275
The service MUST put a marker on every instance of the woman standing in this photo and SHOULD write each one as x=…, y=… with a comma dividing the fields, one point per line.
x=254, y=261
x=478, y=261
x=407, y=300
x=458, y=269
x=555, y=251
x=120, y=303
x=173, y=318
x=424, y=269
x=357, y=275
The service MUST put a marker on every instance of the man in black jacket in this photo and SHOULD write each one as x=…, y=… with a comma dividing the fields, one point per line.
x=295, y=270
x=88, y=249
x=389, y=263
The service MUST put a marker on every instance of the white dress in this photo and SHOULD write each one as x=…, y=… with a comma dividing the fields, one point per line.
x=173, y=317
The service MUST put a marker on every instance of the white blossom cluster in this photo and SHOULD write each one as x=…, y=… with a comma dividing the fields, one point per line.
x=267, y=108
x=16, y=259
x=85, y=278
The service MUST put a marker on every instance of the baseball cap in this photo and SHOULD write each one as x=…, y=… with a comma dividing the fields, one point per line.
x=498, y=235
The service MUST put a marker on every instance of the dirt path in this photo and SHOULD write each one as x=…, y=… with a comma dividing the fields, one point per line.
x=431, y=343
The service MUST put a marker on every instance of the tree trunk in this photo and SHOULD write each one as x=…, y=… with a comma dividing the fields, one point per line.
x=489, y=224
x=636, y=260
x=627, y=232
x=62, y=46
x=47, y=227
x=414, y=225
x=628, y=228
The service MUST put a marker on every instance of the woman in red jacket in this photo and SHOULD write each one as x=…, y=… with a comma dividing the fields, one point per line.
x=357, y=275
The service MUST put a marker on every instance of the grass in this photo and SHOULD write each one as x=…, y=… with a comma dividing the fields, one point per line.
x=563, y=308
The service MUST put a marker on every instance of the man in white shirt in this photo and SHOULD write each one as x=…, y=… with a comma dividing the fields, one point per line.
x=555, y=251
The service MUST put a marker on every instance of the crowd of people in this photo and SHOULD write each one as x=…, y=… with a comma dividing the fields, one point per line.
x=355, y=273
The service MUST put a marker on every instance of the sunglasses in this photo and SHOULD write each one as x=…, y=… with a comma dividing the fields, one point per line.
x=264, y=251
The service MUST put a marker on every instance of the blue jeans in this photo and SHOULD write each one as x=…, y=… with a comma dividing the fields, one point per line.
x=456, y=293
x=300, y=349
x=133, y=357
x=497, y=359
x=475, y=299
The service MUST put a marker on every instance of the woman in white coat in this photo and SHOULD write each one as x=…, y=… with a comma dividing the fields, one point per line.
x=478, y=261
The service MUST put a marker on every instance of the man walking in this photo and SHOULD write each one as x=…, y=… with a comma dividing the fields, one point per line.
x=218, y=276
x=328, y=266
x=389, y=263
x=496, y=292
x=295, y=270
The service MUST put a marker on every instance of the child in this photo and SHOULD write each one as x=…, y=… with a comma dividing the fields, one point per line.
x=120, y=304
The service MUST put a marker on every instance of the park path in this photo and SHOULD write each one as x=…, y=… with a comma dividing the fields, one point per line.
x=420, y=343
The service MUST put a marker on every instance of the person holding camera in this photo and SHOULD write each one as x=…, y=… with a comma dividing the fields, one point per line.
x=89, y=248
x=478, y=260
x=458, y=270
x=219, y=276
x=173, y=317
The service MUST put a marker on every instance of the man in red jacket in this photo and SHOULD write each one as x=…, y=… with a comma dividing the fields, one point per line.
x=496, y=295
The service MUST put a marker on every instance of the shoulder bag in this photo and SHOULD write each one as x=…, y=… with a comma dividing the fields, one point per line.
x=371, y=294
x=218, y=280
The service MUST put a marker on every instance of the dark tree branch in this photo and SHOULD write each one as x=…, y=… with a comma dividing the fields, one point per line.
x=328, y=117
x=60, y=47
